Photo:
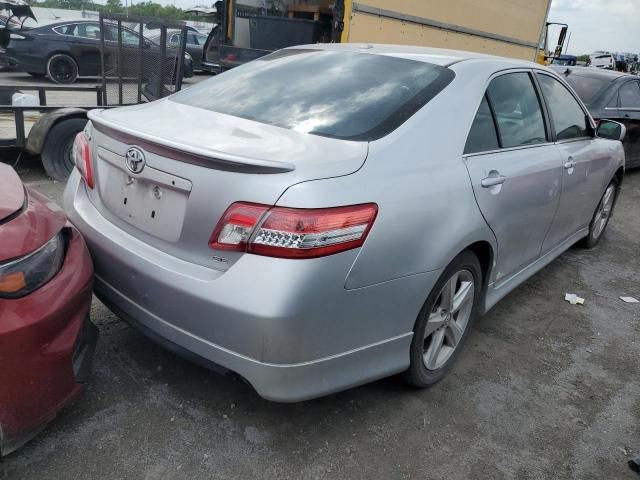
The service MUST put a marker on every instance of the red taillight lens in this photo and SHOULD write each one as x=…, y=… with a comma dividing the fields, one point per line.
x=293, y=232
x=82, y=158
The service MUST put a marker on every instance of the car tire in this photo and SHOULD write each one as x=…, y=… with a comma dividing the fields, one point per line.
x=62, y=68
x=56, y=155
x=601, y=216
x=443, y=322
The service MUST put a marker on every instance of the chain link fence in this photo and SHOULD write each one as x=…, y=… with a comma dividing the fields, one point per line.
x=142, y=58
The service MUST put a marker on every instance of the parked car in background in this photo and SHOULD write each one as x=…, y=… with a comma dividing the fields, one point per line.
x=46, y=337
x=64, y=51
x=611, y=95
x=195, y=45
x=603, y=60
x=346, y=229
x=564, y=60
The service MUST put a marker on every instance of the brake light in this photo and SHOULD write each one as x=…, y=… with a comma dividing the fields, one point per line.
x=82, y=158
x=293, y=232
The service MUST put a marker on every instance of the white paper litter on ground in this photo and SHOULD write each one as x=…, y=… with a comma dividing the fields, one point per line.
x=573, y=299
x=629, y=299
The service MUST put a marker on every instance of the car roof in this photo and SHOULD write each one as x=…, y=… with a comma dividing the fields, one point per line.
x=438, y=56
x=590, y=72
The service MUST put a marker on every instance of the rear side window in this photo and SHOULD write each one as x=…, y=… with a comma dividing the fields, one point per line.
x=630, y=95
x=482, y=136
x=587, y=88
x=568, y=118
x=347, y=95
x=517, y=110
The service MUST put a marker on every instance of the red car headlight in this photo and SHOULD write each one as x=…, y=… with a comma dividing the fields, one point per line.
x=23, y=275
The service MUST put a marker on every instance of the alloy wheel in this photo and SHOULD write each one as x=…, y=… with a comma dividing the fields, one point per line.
x=604, y=211
x=448, y=319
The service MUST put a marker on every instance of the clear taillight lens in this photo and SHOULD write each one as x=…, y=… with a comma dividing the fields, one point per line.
x=82, y=158
x=293, y=232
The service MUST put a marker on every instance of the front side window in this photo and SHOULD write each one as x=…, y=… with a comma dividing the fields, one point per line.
x=482, y=136
x=568, y=118
x=347, y=95
x=517, y=110
x=630, y=95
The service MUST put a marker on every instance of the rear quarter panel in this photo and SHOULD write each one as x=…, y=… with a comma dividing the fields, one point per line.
x=427, y=211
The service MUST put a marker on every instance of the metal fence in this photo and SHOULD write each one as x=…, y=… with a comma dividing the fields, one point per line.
x=142, y=58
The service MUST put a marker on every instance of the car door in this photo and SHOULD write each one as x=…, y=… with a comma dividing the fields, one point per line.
x=198, y=50
x=75, y=45
x=515, y=170
x=585, y=163
x=629, y=114
x=87, y=41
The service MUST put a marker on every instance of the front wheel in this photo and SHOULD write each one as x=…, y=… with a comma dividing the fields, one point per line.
x=444, y=321
x=602, y=215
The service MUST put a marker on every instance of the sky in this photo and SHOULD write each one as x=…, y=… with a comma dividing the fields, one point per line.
x=611, y=25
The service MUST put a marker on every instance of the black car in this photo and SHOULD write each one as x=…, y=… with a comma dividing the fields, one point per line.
x=65, y=51
x=195, y=45
x=611, y=95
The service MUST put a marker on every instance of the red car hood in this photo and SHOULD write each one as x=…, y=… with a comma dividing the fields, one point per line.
x=34, y=225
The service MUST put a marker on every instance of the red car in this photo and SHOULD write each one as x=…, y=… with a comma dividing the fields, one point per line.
x=46, y=338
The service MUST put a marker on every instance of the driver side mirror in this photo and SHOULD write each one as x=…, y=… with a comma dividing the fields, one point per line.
x=611, y=130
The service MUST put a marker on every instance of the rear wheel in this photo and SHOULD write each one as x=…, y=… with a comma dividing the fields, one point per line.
x=602, y=215
x=444, y=321
x=57, y=150
x=61, y=68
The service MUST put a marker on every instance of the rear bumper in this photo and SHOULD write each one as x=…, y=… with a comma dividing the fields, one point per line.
x=276, y=382
x=289, y=327
x=46, y=347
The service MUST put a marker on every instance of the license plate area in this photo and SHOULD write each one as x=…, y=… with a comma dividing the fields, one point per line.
x=153, y=201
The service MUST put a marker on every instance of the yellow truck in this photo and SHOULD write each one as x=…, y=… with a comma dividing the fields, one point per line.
x=248, y=29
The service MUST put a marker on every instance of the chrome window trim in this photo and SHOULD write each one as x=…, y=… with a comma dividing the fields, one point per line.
x=508, y=149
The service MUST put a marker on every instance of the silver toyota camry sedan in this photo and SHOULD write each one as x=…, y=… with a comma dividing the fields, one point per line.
x=329, y=215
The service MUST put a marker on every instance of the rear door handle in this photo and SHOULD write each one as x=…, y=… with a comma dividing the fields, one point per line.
x=493, y=179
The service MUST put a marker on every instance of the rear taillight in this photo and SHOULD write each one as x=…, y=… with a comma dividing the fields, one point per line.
x=293, y=232
x=82, y=158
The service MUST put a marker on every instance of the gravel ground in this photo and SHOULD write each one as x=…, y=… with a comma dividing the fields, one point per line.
x=543, y=389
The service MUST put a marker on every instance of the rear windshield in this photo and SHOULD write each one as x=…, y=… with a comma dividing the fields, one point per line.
x=347, y=95
x=587, y=88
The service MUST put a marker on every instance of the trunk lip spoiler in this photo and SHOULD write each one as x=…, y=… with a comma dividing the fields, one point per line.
x=186, y=153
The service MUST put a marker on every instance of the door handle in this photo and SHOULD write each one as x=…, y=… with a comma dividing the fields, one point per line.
x=493, y=179
x=570, y=163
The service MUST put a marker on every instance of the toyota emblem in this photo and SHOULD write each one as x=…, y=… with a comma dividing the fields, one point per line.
x=135, y=160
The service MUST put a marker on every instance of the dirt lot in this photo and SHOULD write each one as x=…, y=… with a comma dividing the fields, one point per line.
x=543, y=389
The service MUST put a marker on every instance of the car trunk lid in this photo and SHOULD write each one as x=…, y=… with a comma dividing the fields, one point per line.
x=195, y=168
